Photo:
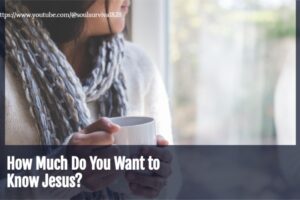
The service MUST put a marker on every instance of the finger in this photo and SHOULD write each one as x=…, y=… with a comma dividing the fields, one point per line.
x=143, y=191
x=94, y=138
x=164, y=171
x=161, y=141
x=103, y=124
x=158, y=152
x=154, y=182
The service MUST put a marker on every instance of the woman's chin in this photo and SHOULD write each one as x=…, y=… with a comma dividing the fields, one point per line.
x=119, y=26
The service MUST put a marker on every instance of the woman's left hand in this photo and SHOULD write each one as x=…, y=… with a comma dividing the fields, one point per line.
x=149, y=186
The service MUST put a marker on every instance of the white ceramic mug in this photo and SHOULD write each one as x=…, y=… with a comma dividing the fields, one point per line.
x=135, y=131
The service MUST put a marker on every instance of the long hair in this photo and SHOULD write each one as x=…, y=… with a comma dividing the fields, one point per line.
x=63, y=30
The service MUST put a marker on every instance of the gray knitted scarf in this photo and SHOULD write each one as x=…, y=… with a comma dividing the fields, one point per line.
x=57, y=98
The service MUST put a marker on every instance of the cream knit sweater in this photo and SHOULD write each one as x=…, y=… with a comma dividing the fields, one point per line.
x=145, y=89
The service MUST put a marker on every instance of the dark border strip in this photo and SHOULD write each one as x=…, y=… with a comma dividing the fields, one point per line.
x=2, y=90
x=297, y=71
x=2, y=76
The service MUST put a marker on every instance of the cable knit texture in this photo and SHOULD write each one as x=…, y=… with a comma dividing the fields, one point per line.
x=56, y=96
x=145, y=90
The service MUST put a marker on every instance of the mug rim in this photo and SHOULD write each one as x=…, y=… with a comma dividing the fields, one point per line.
x=148, y=120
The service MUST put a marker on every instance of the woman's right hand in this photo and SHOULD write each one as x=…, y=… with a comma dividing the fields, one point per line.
x=96, y=140
x=100, y=132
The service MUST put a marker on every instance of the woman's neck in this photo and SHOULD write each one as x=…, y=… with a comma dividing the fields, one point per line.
x=77, y=55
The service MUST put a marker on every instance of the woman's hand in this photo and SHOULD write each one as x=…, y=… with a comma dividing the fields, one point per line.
x=99, y=133
x=95, y=140
x=149, y=186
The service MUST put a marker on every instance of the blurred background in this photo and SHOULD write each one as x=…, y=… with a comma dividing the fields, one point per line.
x=221, y=61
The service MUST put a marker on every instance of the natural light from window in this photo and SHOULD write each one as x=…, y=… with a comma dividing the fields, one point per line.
x=226, y=57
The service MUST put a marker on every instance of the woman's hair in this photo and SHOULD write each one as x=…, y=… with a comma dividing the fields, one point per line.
x=61, y=29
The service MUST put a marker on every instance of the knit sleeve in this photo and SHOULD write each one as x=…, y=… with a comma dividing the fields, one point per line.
x=146, y=91
x=285, y=107
x=157, y=105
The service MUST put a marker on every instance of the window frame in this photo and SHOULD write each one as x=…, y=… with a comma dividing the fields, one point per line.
x=149, y=28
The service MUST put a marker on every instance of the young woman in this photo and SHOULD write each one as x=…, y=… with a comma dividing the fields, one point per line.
x=63, y=75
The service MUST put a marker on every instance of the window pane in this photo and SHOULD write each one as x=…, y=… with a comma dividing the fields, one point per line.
x=226, y=58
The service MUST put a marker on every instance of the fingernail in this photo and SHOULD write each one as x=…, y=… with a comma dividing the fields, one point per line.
x=117, y=126
x=108, y=123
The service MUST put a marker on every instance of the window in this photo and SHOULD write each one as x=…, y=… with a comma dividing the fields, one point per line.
x=150, y=30
x=221, y=61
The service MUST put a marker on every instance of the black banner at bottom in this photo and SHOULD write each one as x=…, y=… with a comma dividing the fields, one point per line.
x=133, y=172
